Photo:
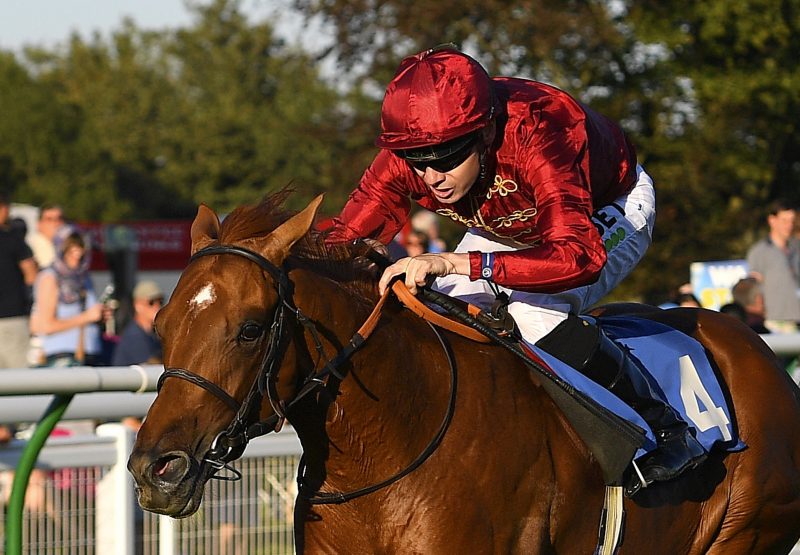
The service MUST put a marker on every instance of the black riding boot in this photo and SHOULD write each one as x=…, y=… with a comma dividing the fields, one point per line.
x=587, y=349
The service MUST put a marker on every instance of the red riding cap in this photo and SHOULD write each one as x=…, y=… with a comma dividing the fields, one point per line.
x=435, y=96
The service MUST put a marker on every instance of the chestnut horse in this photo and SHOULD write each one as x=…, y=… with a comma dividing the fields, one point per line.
x=450, y=446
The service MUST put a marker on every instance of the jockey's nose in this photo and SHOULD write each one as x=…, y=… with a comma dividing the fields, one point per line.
x=431, y=177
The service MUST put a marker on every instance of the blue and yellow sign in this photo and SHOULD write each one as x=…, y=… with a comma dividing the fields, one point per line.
x=712, y=281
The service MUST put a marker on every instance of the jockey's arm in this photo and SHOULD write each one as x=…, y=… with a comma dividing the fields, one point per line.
x=571, y=252
x=377, y=209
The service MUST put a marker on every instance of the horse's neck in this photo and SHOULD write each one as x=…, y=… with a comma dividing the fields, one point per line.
x=378, y=402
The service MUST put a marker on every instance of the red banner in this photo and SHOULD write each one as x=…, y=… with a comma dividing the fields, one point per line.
x=160, y=245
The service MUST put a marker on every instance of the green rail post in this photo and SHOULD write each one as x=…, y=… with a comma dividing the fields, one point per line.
x=16, y=502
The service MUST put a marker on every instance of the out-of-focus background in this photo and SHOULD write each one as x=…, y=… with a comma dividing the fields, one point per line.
x=137, y=111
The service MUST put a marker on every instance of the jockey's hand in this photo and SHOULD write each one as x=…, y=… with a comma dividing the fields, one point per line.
x=418, y=268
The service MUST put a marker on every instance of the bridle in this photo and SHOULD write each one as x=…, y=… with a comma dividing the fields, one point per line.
x=229, y=444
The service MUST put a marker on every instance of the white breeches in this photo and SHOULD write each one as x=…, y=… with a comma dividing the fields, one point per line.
x=626, y=226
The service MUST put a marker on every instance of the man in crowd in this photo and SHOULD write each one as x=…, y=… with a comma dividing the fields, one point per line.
x=51, y=217
x=747, y=294
x=775, y=262
x=138, y=344
x=17, y=273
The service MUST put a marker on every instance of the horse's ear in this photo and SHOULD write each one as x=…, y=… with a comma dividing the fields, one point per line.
x=291, y=231
x=205, y=228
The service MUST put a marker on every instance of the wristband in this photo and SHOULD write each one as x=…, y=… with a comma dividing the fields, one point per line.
x=487, y=265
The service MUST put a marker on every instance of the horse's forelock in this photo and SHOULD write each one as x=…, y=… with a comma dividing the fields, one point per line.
x=255, y=220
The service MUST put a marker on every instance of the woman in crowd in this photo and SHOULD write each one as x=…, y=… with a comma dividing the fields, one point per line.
x=66, y=310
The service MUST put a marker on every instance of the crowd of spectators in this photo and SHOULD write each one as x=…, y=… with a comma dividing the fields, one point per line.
x=50, y=313
x=51, y=316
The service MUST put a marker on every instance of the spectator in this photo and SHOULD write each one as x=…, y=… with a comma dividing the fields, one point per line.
x=747, y=294
x=775, y=262
x=138, y=344
x=687, y=300
x=734, y=309
x=683, y=296
x=395, y=248
x=17, y=274
x=427, y=223
x=66, y=310
x=51, y=217
x=416, y=243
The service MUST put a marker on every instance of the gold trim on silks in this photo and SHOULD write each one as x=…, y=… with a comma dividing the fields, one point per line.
x=502, y=187
x=469, y=222
x=503, y=221
x=517, y=215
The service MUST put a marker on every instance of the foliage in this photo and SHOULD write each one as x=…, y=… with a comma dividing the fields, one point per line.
x=147, y=124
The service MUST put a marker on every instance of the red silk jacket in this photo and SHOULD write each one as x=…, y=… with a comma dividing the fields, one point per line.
x=554, y=162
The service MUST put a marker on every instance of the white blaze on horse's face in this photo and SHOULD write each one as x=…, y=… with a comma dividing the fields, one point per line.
x=203, y=298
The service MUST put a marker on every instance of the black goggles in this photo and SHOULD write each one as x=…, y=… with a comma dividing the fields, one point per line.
x=442, y=158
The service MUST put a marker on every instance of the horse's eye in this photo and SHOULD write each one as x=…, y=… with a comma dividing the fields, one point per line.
x=251, y=331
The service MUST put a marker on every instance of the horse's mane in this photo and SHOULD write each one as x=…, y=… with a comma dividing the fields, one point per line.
x=343, y=263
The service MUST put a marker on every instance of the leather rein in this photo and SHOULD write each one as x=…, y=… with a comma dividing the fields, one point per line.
x=229, y=444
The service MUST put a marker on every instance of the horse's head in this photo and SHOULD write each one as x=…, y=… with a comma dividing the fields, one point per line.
x=224, y=340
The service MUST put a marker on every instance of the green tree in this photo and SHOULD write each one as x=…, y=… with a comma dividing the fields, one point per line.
x=740, y=146
x=152, y=123
x=46, y=152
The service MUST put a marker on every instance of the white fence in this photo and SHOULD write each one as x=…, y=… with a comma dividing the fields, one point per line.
x=783, y=344
x=81, y=501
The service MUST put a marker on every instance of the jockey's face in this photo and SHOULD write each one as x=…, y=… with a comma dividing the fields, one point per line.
x=449, y=187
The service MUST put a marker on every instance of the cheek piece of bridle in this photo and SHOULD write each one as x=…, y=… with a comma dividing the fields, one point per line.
x=229, y=444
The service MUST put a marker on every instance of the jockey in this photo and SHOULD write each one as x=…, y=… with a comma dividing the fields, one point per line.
x=556, y=208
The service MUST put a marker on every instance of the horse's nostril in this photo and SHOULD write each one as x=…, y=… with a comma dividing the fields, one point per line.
x=170, y=468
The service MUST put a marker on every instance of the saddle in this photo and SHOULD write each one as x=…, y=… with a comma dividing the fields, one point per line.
x=612, y=430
